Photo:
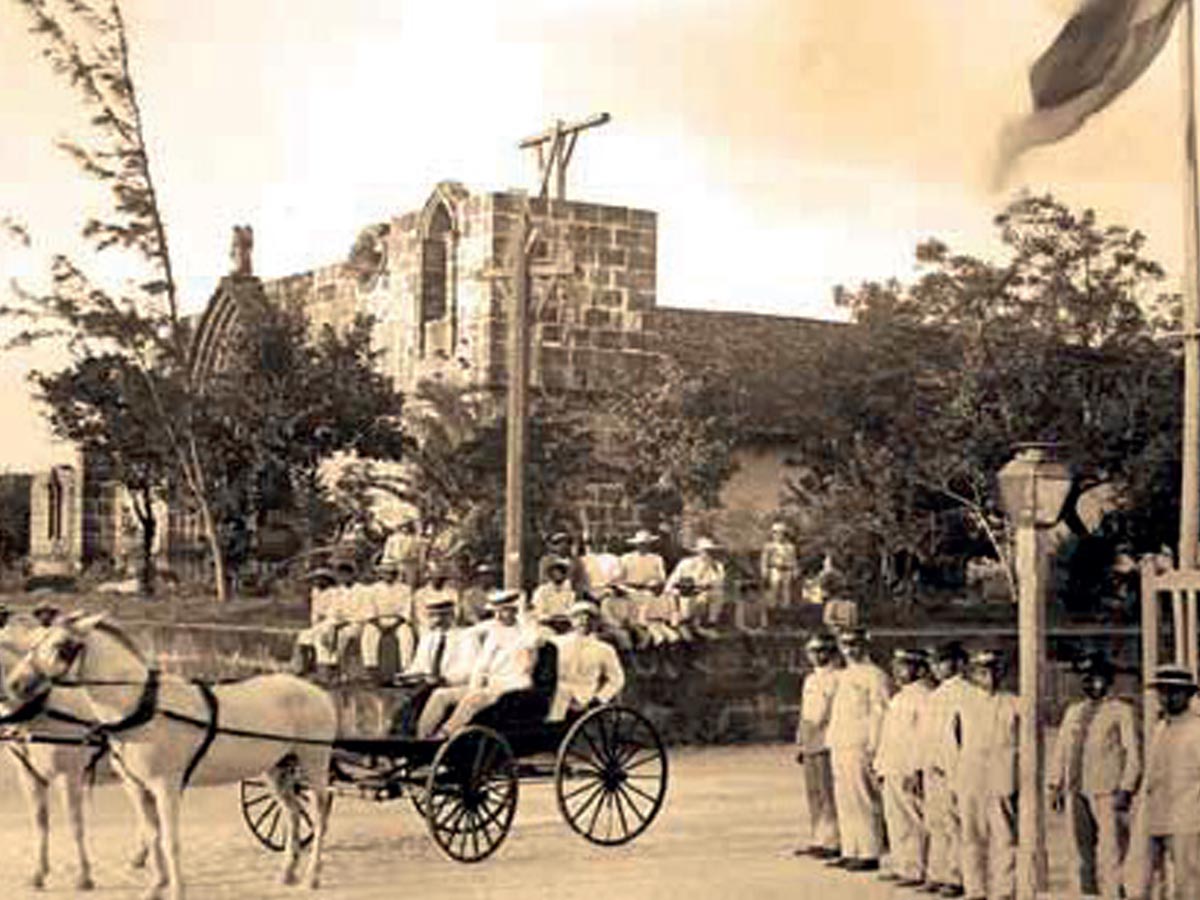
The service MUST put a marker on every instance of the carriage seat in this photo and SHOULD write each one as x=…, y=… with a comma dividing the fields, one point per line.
x=528, y=707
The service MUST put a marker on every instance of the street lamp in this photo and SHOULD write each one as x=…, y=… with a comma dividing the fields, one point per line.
x=1034, y=487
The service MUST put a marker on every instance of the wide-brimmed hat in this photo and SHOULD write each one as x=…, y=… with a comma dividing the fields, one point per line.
x=642, y=537
x=1173, y=677
x=706, y=543
x=584, y=606
x=856, y=635
x=913, y=655
x=503, y=597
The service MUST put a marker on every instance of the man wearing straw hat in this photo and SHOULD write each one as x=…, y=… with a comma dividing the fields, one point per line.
x=444, y=658
x=438, y=586
x=1167, y=822
x=816, y=704
x=589, y=670
x=703, y=611
x=777, y=568
x=643, y=576
x=1093, y=771
x=505, y=664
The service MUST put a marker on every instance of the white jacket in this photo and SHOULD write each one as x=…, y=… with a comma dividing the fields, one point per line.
x=588, y=669
x=863, y=690
x=940, y=740
x=458, y=657
x=988, y=763
x=898, y=753
x=1111, y=753
x=816, y=705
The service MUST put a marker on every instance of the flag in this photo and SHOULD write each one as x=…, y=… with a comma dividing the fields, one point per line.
x=1099, y=53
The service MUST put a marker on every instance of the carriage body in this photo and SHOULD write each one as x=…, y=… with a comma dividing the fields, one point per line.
x=607, y=764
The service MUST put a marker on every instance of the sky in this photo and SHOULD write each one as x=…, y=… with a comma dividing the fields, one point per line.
x=788, y=145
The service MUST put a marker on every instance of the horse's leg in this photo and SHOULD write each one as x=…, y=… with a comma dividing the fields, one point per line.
x=73, y=787
x=166, y=804
x=36, y=791
x=317, y=774
x=143, y=810
x=282, y=778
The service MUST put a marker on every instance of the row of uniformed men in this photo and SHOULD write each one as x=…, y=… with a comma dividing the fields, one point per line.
x=456, y=672
x=937, y=763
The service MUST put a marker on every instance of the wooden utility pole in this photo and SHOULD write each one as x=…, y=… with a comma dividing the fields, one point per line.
x=518, y=406
x=554, y=148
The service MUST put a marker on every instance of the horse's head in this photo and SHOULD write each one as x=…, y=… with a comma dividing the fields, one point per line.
x=54, y=654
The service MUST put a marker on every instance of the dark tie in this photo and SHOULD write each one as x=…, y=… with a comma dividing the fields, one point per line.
x=438, y=651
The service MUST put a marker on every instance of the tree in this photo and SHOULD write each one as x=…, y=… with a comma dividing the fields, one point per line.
x=87, y=44
x=1057, y=342
x=282, y=401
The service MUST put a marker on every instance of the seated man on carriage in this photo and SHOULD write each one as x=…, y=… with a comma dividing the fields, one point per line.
x=589, y=670
x=444, y=658
x=388, y=636
x=505, y=664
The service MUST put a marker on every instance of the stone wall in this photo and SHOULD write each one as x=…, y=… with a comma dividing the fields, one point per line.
x=737, y=689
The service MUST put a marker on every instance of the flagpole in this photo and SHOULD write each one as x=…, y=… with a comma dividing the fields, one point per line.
x=1189, y=521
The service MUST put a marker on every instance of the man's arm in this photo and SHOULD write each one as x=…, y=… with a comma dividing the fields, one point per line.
x=612, y=675
x=1131, y=775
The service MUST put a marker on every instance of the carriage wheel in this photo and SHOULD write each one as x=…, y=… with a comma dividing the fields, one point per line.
x=471, y=794
x=611, y=775
x=266, y=818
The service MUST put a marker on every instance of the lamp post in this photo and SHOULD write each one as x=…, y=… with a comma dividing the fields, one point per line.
x=1033, y=488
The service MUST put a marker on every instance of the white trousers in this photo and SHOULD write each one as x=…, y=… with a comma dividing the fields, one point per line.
x=945, y=831
x=989, y=845
x=857, y=803
x=822, y=809
x=902, y=810
x=437, y=708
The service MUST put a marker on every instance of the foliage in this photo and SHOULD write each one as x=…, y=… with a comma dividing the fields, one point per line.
x=943, y=377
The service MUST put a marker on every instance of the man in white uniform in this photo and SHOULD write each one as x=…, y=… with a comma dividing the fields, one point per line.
x=1094, y=769
x=816, y=704
x=643, y=576
x=987, y=783
x=855, y=721
x=552, y=599
x=898, y=766
x=1167, y=822
x=701, y=612
x=941, y=743
x=589, y=670
x=505, y=663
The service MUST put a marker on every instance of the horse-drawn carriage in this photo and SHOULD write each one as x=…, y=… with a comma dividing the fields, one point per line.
x=608, y=766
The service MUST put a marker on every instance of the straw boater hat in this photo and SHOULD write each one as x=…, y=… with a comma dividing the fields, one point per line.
x=558, y=537
x=1173, y=677
x=439, y=604
x=706, y=543
x=503, y=597
x=909, y=655
x=642, y=537
x=987, y=659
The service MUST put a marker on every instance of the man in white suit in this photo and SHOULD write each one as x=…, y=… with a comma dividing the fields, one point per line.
x=589, y=670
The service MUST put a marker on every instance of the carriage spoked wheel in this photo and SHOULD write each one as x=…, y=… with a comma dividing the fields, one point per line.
x=266, y=817
x=471, y=794
x=611, y=775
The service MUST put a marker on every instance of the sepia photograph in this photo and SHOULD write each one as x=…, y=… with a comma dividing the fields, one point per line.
x=600, y=448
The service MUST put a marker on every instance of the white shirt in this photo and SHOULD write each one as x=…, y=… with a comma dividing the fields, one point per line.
x=458, y=656
x=861, y=698
x=601, y=570
x=505, y=661
x=988, y=762
x=640, y=570
x=552, y=600
x=588, y=668
x=816, y=704
x=1111, y=758
x=393, y=600
x=708, y=573
x=940, y=739
x=898, y=753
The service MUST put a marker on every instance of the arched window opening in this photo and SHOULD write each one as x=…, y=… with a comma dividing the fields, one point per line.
x=435, y=269
x=54, y=510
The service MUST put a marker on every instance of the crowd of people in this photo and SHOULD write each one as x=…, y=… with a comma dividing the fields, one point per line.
x=913, y=776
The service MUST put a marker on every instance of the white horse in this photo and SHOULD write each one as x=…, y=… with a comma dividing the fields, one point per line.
x=168, y=732
x=47, y=749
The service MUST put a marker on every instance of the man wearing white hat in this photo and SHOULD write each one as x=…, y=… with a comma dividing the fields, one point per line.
x=855, y=721
x=777, y=568
x=1167, y=822
x=708, y=574
x=986, y=785
x=505, y=664
x=643, y=576
x=898, y=765
x=816, y=705
x=589, y=670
